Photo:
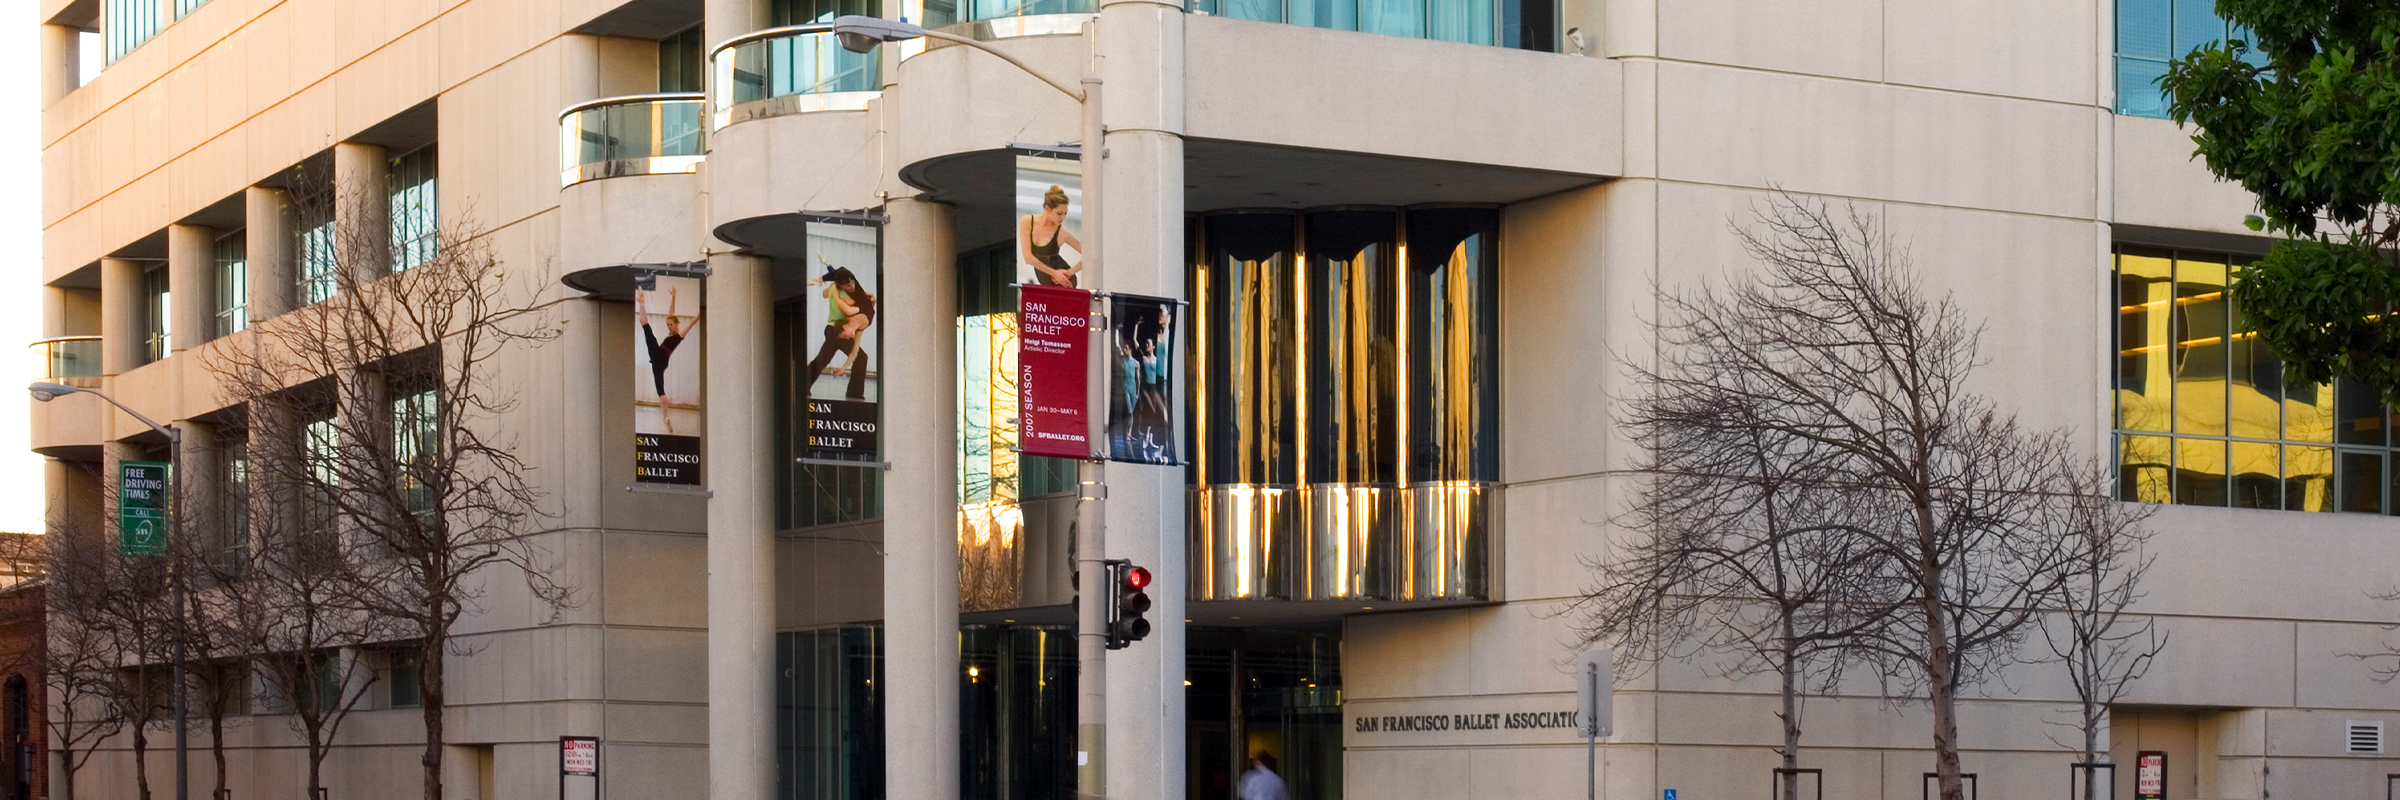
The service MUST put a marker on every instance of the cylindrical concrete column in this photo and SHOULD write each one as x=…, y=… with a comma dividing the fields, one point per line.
x=62, y=62
x=121, y=345
x=267, y=250
x=362, y=210
x=741, y=529
x=192, y=284
x=200, y=489
x=920, y=524
x=1142, y=235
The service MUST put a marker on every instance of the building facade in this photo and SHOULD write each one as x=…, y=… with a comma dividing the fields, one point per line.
x=1407, y=243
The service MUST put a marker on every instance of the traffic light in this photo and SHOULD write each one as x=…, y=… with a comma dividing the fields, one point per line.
x=1125, y=622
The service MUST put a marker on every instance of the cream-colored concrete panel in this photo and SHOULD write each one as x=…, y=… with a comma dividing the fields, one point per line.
x=2041, y=49
x=1558, y=308
x=635, y=724
x=2040, y=773
x=2220, y=662
x=508, y=117
x=481, y=34
x=1841, y=38
x=1522, y=648
x=267, y=61
x=2248, y=563
x=1409, y=97
x=387, y=81
x=1641, y=119
x=290, y=131
x=1413, y=654
x=1407, y=774
x=1747, y=129
x=626, y=65
x=2321, y=734
x=2038, y=339
x=1985, y=152
x=647, y=580
x=1507, y=773
x=653, y=665
x=224, y=82
x=634, y=219
x=1854, y=721
x=2337, y=666
x=70, y=421
x=654, y=771
x=775, y=165
x=1551, y=529
x=202, y=176
x=2159, y=182
x=318, y=45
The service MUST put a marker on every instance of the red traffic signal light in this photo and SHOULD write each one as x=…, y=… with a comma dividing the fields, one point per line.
x=1137, y=577
x=1125, y=622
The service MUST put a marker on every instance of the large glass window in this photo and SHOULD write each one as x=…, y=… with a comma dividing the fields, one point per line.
x=416, y=440
x=157, y=306
x=1521, y=24
x=2152, y=32
x=2204, y=415
x=233, y=283
x=313, y=281
x=803, y=12
x=679, y=62
x=416, y=208
x=233, y=504
x=127, y=24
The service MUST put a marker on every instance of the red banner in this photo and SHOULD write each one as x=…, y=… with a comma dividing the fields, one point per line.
x=1054, y=371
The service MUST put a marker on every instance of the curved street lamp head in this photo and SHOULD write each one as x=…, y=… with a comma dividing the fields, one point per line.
x=44, y=390
x=859, y=33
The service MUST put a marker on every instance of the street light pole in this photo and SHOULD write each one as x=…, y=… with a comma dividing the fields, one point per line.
x=44, y=391
x=859, y=34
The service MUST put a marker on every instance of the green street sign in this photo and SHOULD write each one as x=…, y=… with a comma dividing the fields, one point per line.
x=141, y=508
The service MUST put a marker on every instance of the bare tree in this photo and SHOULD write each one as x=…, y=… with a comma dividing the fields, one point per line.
x=2103, y=650
x=80, y=659
x=426, y=498
x=1953, y=511
x=1749, y=552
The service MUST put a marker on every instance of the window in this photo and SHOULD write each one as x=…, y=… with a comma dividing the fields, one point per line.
x=679, y=61
x=319, y=447
x=802, y=12
x=416, y=439
x=233, y=284
x=2152, y=32
x=157, y=305
x=415, y=209
x=1520, y=24
x=232, y=684
x=184, y=8
x=314, y=280
x=127, y=24
x=2204, y=417
x=233, y=465
x=401, y=674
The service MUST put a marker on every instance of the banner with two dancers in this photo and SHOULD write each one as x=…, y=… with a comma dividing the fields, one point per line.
x=666, y=395
x=841, y=386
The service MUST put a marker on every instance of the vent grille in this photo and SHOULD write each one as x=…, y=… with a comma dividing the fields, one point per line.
x=2365, y=737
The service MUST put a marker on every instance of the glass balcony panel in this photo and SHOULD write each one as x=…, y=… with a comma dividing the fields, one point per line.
x=790, y=70
x=654, y=134
x=71, y=360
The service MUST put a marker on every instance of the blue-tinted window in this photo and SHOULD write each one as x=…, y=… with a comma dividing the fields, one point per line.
x=416, y=209
x=2152, y=32
x=126, y=24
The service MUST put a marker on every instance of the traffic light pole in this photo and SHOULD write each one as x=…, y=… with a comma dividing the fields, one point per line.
x=1094, y=591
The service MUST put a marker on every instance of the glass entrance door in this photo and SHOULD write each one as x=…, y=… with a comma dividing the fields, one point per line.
x=1271, y=691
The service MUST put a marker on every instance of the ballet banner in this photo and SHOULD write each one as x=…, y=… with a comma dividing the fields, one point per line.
x=1049, y=221
x=1141, y=380
x=841, y=386
x=666, y=393
x=1053, y=372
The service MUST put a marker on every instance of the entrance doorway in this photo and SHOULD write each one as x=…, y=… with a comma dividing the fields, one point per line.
x=1276, y=691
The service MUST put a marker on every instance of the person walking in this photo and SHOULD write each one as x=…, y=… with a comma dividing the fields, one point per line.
x=1261, y=782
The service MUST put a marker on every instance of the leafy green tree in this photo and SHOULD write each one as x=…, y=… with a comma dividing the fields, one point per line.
x=2307, y=117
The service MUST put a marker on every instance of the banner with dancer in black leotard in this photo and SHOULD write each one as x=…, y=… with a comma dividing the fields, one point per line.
x=841, y=383
x=666, y=393
x=1049, y=220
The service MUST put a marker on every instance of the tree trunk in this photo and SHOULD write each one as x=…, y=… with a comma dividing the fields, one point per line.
x=1941, y=682
x=429, y=683
x=317, y=748
x=216, y=740
x=65, y=790
x=1791, y=710
x=141, y=750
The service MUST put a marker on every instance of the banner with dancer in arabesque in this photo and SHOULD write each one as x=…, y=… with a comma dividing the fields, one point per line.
x=666, y=393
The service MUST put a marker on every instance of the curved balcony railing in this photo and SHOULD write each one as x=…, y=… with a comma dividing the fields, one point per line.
x=791, y=70
x=71, y=360
x=643, y=134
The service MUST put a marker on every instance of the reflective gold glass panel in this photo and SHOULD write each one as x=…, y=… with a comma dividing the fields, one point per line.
x=2308, y=413
x=2358, y=414
x=2255, y=405
x=2200, y=467
x=2200, y=349
x=2308, y=478
x=2257, y=475
x=2145, y=468
x=2145, y=295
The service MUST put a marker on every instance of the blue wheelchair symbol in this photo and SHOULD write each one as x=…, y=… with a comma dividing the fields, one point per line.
x=1670, y=794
